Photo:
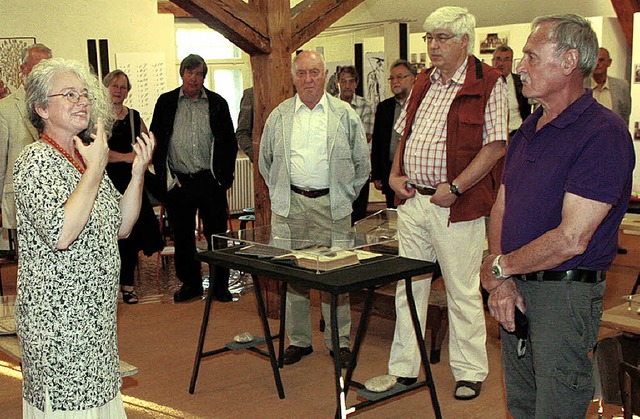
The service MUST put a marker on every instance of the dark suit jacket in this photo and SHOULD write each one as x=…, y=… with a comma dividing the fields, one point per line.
x=523, y=102
x=224, y=148
x=382, y=130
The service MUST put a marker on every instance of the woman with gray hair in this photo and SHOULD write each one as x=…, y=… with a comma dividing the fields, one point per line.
x=146, y=234
x=69, y=219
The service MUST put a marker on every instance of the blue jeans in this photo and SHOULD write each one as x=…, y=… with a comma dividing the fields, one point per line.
x=554, y=379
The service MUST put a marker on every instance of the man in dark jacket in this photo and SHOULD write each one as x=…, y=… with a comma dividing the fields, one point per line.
x=519, y=107
x=385, y=140
x=195, y=159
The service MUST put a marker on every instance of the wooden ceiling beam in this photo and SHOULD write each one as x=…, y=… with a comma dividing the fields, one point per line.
x=624, y=11
x=169, y=8
x=311, y=17
x=240, y=22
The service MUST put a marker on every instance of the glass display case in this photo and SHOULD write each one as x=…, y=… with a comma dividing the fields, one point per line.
x=308, y=246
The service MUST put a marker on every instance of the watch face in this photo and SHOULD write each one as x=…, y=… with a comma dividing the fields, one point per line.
x=496, y=271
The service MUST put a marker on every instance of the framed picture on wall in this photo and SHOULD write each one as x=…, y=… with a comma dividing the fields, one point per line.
x=492, y=41
x=10, y=50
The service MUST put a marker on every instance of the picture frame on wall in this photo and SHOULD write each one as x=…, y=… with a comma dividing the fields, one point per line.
x=10, y=51
x=492, y=41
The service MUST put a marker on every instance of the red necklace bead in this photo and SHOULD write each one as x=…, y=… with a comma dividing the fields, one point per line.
x=57, y=146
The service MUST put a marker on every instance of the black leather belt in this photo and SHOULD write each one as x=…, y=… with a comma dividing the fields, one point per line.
x=577, y=275
x=188, y=177
x=425, y=191
x=310, y=193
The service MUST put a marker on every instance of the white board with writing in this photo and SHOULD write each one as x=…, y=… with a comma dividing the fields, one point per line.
x=147, y=75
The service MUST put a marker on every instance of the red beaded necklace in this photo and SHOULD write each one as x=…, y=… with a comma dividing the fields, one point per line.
x=57, y=146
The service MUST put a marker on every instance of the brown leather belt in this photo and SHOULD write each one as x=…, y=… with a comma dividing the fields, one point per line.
x=425, y=191
x=577, y=275
x=310, y=193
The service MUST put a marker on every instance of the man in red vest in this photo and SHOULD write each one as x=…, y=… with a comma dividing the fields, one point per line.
x=454, y=131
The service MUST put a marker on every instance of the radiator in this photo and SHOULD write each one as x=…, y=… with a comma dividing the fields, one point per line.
x=240, y=195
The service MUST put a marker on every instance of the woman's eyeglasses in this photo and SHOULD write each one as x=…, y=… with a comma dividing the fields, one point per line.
x=74, y=96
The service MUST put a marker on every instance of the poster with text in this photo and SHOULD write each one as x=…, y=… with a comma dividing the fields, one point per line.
x=148, y=79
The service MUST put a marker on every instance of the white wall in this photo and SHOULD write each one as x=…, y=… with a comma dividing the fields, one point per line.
x=64, y=26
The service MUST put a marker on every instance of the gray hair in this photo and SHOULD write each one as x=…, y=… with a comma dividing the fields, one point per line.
x=24, y=56
x=38, y=89
x=294, y=62
x=572, y=32
x=503, y=48
x=456, y=19
x=349, y=69
x=405, y=63
x=115, y=74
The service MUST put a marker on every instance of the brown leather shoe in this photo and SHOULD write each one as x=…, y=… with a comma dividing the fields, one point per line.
x=294, y=354
x=345, y=357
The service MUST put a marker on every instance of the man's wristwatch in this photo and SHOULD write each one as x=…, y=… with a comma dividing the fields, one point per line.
x=496, y=269
x=454, y=190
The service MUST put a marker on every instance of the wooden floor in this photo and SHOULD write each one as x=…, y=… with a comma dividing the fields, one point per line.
x=160, y=339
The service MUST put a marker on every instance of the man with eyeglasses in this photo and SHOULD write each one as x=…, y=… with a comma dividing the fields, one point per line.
x=348, y=81
x=519, y=107
x=314, y=159
x=454, y=131
x=195, y=159
x=16, y=132
x=385, y=139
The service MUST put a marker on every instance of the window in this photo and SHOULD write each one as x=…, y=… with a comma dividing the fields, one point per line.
x=224, y=61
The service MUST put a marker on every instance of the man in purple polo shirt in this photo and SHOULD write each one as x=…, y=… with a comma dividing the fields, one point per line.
x=554, y=226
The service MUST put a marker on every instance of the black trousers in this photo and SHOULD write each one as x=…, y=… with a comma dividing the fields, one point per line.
x=202, y=195
x=359, y=206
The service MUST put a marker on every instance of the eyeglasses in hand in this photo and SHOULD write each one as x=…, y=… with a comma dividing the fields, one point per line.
x=74, y=96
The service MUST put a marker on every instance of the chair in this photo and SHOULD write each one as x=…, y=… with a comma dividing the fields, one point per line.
x=249, y=216
x=630, y=389
x=168, y=250
x=610, y=353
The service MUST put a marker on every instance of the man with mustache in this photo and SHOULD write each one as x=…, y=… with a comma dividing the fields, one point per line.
x=195, y=159
x=554, y=226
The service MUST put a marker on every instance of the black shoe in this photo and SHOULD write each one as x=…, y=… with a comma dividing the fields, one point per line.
x=345, y=357
x=187, y=293
x=129, y=297
x=407, y=381
x=223, y=296
x=294, y=354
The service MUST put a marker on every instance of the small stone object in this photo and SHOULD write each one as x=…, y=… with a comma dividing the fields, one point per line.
x=381, y=383
x=243, y=337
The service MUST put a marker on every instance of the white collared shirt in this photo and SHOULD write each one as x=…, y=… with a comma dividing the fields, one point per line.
x=515, y=120
x=309, y=145
x=603, y=94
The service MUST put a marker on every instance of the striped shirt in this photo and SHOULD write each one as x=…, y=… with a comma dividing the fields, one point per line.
x=192, y=139
x=425, y=158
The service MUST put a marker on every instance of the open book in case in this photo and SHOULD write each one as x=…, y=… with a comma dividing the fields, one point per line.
x=316, y=248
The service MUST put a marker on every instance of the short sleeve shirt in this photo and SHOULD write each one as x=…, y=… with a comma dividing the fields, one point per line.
x=586, y=151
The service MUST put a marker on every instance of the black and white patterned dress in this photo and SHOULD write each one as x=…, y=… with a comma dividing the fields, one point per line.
x=67, y=299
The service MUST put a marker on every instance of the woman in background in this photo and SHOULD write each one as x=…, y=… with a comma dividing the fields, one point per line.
x=146, y=234
x=69, y=219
